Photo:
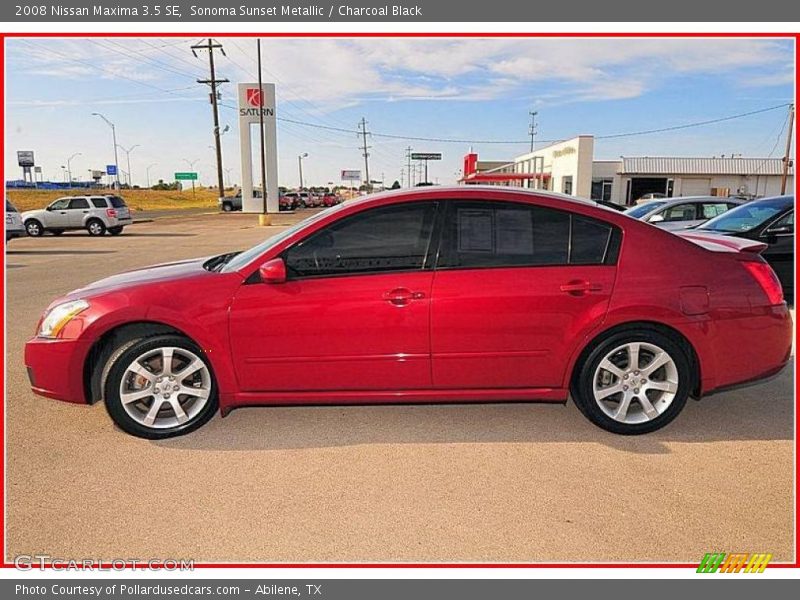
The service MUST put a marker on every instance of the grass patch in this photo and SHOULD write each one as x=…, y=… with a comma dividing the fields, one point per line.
x=135, y=199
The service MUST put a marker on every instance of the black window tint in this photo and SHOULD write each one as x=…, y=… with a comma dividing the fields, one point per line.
x=78, y=203
x=493, y=234
x=394, y=238
x=117, y=202
x=590, y=240
x=99, y=202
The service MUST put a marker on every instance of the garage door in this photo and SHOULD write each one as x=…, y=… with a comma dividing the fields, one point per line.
x=696, y=186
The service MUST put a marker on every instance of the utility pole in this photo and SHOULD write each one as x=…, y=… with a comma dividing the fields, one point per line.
x=403, y=177
x=211, y=45
x=363, y=129
x=408, y=166
x=786, y=157
x=532, y=129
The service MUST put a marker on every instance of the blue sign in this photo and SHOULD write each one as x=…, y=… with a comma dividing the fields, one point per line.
x=111, y=169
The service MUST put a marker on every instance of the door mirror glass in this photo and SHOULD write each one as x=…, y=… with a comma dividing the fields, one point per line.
x=656, y=219
x=273, y=271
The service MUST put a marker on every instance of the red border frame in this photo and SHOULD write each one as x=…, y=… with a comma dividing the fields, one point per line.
x=795, y=36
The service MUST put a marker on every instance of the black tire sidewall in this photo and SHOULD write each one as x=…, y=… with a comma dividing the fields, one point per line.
x=117, y=371
x=583, y=394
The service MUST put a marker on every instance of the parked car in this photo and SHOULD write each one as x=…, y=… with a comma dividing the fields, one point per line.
x=768, y=220
x=234, y=203
x=287, y=202
x=650, y=196
x=462, y=294
x=330, y=200
x=95, y=214
x=14, y=227
x=680, y=213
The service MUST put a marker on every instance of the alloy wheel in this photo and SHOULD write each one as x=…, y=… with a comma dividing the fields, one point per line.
x=165, y=387
x=635, y=382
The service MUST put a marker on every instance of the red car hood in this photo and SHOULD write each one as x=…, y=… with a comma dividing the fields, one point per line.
x=152, y=274
x=719, y=242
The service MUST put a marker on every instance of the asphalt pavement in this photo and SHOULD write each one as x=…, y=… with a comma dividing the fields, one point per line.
x=476, y=483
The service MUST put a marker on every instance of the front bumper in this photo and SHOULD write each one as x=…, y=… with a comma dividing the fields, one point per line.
x=55, y=368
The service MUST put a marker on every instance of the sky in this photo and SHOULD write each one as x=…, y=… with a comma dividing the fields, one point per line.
x=470, y=90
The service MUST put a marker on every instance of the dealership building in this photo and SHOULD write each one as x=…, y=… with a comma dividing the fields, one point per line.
x=569, y=167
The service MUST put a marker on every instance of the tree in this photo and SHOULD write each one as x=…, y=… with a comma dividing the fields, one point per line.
x=395, y=185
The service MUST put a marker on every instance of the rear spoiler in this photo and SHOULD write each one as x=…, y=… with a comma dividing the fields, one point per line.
x=723, y=243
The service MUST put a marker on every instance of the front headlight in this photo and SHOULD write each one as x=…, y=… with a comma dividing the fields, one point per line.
x=58, y=316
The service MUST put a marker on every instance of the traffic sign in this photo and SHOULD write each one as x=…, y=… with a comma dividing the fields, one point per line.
x=188, y=176
x=426, y=156
x=111, y=169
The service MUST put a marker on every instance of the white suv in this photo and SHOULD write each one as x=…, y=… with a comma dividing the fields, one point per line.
x=95, y=214
x=14, y=228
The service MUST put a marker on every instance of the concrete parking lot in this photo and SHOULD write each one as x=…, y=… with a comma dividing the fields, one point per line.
x=509, y=483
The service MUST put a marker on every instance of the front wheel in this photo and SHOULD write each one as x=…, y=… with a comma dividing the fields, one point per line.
x=633, y=382
x=34, y=228
x=115, y=230
x=160, y=387
x=227, y=207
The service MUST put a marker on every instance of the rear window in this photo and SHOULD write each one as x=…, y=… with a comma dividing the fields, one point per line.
x=117, y=202
x=642, y=209
x=10, y=207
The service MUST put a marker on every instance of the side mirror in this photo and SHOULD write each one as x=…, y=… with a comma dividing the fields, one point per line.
x=273, y=271
x=49, y=208
x=656, y=219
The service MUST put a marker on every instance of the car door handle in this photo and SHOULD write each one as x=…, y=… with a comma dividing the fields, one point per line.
x=86, y=211
x=402, y=296
x=578, y=288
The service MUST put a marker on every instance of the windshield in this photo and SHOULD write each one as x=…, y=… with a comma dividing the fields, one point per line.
x=242, y=259
x=639, y=211
x=747, y=216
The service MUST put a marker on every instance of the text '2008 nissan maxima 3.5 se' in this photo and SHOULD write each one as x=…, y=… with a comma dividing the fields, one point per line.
x=464, y=294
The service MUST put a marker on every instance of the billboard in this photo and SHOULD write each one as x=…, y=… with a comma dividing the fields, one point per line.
x=426, y=156
x=25, y=158
x=350, y=175
x=257, y=103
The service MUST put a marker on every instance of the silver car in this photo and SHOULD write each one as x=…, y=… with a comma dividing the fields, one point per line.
x=95, y=214
x=682, y=213
x=14, y=228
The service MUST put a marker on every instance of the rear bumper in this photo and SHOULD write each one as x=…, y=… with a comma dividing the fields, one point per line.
x=15, y=233
x=746, y=350
x=55, y=368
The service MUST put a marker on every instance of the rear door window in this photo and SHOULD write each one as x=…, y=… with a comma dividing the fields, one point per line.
x=709, y=210
x=480, y=234
x=78, y=203
x=680, y=212
x=99, y=202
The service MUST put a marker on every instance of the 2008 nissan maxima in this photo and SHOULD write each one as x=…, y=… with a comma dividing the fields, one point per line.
x=467, y=294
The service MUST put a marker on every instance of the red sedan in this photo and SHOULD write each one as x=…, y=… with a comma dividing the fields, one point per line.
x=466, y=294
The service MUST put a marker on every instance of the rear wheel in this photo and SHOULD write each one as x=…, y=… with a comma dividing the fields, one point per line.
x=115, y=230
x=34, y=228
x=95, y=227
x=160, y=387
x=633, y=382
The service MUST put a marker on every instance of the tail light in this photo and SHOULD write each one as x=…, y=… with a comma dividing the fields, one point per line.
x=767, y=279
x=111, y=212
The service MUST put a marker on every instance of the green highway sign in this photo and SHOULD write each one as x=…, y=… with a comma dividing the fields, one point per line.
x=185, y=176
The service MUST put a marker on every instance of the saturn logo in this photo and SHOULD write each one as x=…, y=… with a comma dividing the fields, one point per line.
x=255, y=97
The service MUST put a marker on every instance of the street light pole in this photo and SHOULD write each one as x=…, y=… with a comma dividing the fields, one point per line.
x=69, y=168
x=300, y=165
x=148, y=173
x=114, y=139
x=128, y=154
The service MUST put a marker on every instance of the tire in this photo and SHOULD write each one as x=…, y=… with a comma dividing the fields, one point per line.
x=95, y=227
x=633, y=398
x=137, y=367
x=55, y=231
x=34, y=228
x=115, y=230
x=227, y=208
